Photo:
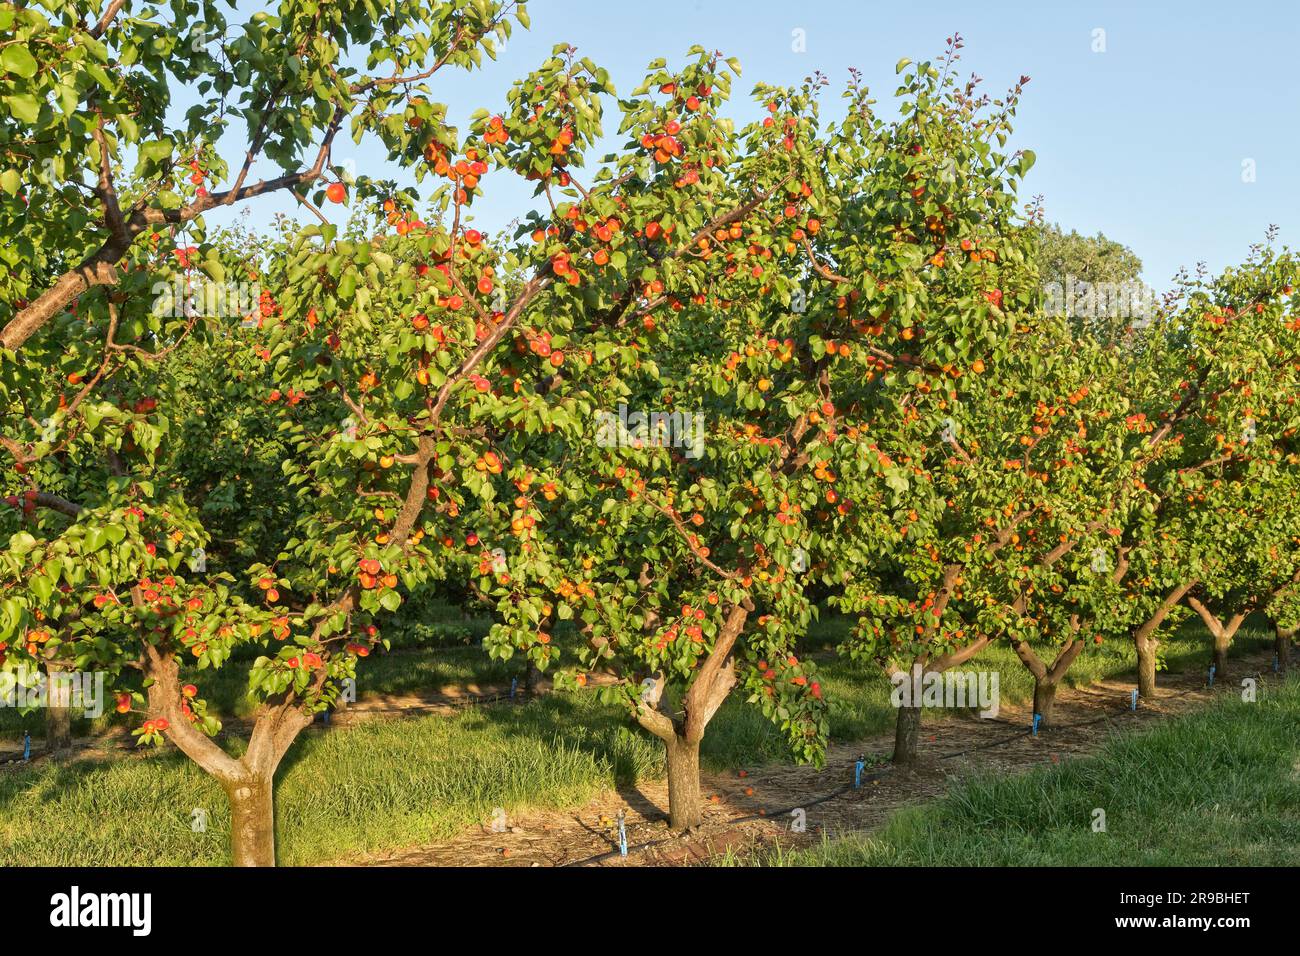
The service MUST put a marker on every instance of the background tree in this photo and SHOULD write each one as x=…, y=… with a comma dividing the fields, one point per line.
x=1213, y=390
x=1092, y=281
x=931, y=260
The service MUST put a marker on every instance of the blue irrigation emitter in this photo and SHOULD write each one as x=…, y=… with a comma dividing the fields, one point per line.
x=514, y=682
x=1211, y=675
x=1038, y=718
x=857, y=774
x=622, y=835
x=27, y=746
x=1134, y=705
x=1276, y=664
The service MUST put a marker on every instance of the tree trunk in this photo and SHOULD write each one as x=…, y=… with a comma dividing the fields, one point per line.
x=907, y=732
x=1282, y=645
x=1045, y=700
x=58, y=713
x=1147, y=644
x=1146, y=651
x=713, y=682
x=1221, y=657
x=252, y=822
x=1221, y=632
x=685, y=805
x=58, y=728
x=1047, y=680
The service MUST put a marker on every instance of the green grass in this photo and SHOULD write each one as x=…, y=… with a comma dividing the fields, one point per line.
x=1220, y=787
x=380, y=785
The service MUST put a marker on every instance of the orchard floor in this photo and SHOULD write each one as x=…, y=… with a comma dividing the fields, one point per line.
x=753, y=814
x=429, y=765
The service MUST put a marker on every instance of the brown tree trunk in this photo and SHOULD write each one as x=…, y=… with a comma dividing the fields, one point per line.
x=248, y=780
x=58, y=713
x=907, y=726
x=58, y=728
x=531, y=678
x=1146, y=643
x=1045, y=700
x=1047, y=680
x=1220, y=658
x=1146, y=655
x=1146, y=652
x=1282, y=645
x=713, y=682
x=252, y=822
x=1222, y=633
x=907, y=733
x=685, y=805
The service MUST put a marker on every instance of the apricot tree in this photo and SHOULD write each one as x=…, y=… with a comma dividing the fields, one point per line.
x=1215, y=396
x=107, y=578
x=931, y=261
x=87, y=87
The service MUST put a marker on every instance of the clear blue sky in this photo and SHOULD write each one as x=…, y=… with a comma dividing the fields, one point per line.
x=1144, y=142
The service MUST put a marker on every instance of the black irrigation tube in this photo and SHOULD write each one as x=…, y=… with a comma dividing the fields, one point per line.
x=637, y=847
x=6, y=759
x=765, y=815
x=1083, y=723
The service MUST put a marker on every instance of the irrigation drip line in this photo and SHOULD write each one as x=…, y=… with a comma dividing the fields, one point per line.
x=988, y=746
x=636, y=847
x=785, y=811
x=1110, y=715
x=764, y=815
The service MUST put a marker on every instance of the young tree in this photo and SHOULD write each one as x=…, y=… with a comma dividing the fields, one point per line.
x=673, y=550
x=929, y=237
x=1067, y=419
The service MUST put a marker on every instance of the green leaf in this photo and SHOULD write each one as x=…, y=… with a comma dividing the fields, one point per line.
x=41, y=586
x=18, y=60
x=156, y=150
x=24, y=106
x=10, y=181
x=21, y=543
x=96, y=538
